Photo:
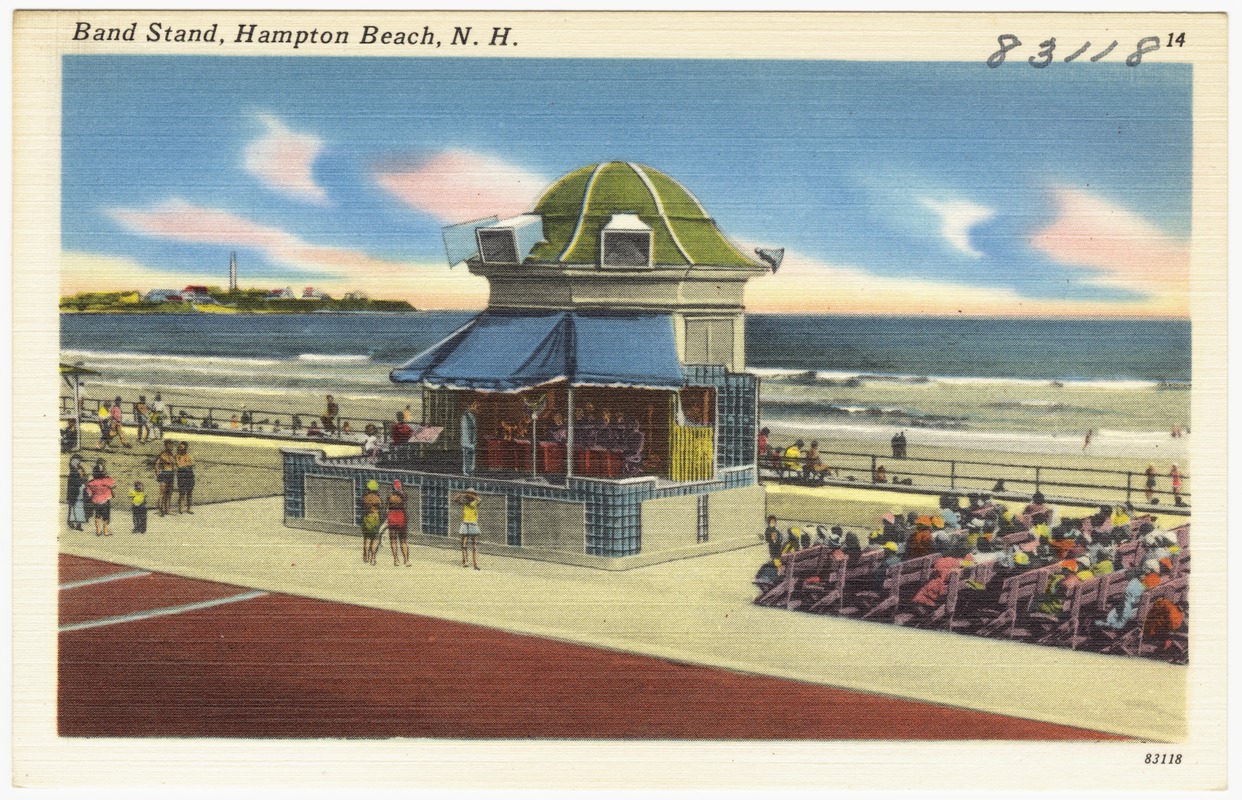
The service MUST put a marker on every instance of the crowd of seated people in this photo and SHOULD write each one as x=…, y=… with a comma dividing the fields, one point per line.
x=611, y=432
x=607, y=443
x=959, y=568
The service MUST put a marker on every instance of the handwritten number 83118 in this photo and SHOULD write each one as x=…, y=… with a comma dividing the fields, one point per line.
x=1047, y=49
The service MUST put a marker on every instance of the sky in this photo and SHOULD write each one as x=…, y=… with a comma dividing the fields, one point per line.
x=895, y=188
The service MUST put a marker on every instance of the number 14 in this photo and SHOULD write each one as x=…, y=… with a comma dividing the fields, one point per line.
x=1180, y=40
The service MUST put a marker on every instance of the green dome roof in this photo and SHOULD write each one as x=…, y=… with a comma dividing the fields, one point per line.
x=579, y=204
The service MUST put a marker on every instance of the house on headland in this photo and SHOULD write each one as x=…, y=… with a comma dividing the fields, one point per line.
x=197, y=294
x=163, y=296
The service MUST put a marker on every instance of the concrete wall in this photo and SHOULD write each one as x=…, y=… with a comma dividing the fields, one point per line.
x=732, y=515
x=493, y=518
x=736, y=514
x=670, y=523
x=554, y=525
x=330, y=500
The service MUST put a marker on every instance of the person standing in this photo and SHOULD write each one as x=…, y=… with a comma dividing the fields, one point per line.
x=143, y=419
x=118, y=427
x=165, y=469
x=138, y=499
x=75, y=492
x=185, y=478
x=100, y=490
x=371, y=444
x=1175, y=477
x=157, y=416
x=333, y=411
x=469, y=436
x=1151, y=481
x=370, y=522
x=397, y=530
x=772, y=536
x=469, y=530
x=105, y=426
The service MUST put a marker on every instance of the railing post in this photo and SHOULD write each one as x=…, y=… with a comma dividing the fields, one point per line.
x=1037, y=479
x=952, y=474
x=1129, y=477
x=871, y=477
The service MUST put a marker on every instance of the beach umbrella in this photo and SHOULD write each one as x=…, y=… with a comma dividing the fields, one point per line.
x=72, y=375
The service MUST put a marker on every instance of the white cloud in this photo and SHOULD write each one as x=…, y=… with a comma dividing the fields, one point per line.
x=957, y=218
x=284, y=160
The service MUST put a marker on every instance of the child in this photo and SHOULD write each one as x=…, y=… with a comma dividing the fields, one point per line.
x=139, y=500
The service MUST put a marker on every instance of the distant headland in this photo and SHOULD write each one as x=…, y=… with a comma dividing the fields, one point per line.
x=216, y=300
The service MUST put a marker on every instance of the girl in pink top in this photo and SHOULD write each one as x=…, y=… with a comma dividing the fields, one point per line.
x=99, y=488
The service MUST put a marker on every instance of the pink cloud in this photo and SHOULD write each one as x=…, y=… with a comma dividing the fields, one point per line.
x=184, y=222
x=810, y=286
x=1120, y=247
x=284, y=160
x=457, y=186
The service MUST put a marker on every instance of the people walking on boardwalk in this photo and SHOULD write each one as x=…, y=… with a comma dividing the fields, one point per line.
x=118, y=427
x=469, y=530
x=138, y=501
x=1175, y=477
x=185, y=478
x=165, y=470
x=75, y=492
x=105, y=426
x=469, y=436
x=142, y=417
x=157, y=416
x=100, y=489
x=370, y=522
x=1151, y=481
x=397, y=530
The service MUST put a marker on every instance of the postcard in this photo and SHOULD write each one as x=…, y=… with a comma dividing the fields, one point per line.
x=505, y=399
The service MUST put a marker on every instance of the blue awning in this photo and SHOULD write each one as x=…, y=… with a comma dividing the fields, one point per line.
x=505, y=352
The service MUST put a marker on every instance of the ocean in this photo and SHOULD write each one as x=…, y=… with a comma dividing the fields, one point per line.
x=861, y=376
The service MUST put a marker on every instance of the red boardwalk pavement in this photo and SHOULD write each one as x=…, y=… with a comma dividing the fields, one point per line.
x=136, y=594
x=74, y=568
x=279, y=666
